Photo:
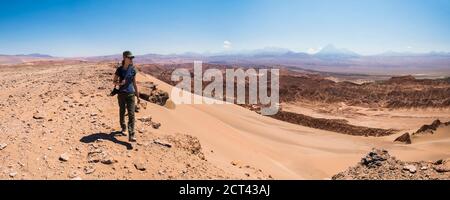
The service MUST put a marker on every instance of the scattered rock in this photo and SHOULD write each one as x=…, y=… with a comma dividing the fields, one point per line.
x=89, y=169
x=12, y=174
x=108, y=160
x=235, y=162
x=410, y=168
x=405, y=138
x=3, y=146
x=139, y=165
x=139, y=143
x=143, y=105
x=141, y=130
x=156, y=125
x=38, y=116
x=64, y=157
x=145, y=119
x=74, y=174
x=162, y=143
x=148, y=121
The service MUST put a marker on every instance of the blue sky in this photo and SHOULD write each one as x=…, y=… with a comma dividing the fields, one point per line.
x=102, y=27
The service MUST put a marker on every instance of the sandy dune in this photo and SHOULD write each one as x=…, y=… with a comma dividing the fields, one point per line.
x=406, y=120
x=284, y=150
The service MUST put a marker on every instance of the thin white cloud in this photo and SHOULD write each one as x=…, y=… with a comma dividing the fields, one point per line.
x=226, y=44
x=314, y=50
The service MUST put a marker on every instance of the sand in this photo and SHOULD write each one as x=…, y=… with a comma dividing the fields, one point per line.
x=237, y=143
x=288, y=151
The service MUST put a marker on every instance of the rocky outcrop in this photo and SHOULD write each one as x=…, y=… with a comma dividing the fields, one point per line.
x=425, y=129
x=188, y=143
x=154, y=95
x=405, y=138
x=430, y=129
x=378, y=164
x=336, y=125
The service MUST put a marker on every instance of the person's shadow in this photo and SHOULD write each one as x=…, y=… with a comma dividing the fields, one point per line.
x=111, y=137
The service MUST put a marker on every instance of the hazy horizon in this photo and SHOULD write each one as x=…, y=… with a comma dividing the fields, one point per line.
x=235, y=52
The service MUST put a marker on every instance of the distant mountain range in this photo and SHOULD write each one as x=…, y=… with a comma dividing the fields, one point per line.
x=36, y=55
x=329, y=58
x=331, y=52
x=22, y=58
x=410, y=54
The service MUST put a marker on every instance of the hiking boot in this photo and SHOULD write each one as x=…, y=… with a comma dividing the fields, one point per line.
x=132, y=138
x=123, y=132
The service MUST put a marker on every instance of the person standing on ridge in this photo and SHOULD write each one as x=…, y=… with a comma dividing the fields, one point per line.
x=125, y=78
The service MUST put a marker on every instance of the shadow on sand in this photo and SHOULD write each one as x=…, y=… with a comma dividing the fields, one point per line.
x=111, y=137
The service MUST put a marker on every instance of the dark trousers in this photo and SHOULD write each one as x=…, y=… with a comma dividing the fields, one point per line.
x=127, y=101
